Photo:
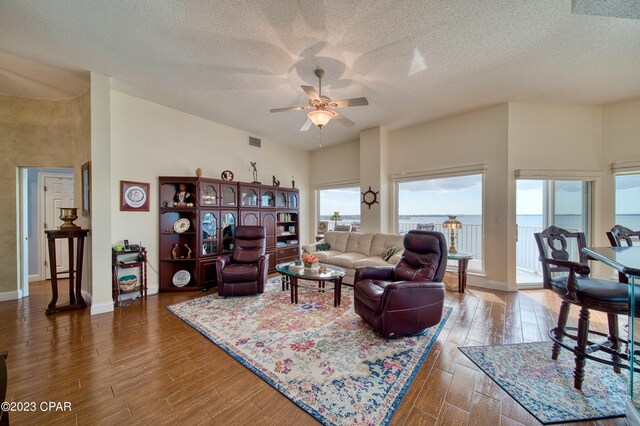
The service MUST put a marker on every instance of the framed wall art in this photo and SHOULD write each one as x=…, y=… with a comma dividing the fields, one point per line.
x=134, y=196
x=85, y=172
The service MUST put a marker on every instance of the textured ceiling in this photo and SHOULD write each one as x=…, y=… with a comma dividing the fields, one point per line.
x=231, y=61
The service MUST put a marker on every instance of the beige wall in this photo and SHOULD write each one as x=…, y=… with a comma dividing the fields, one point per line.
x=509, y=137
x=150, y=140
x=466, y=139
x=621, y=143
x=34, y=133
x=558, y=139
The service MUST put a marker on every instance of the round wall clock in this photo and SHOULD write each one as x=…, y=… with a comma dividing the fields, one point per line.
x=370, y=197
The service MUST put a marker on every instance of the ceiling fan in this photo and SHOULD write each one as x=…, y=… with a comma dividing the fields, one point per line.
x=322, y=107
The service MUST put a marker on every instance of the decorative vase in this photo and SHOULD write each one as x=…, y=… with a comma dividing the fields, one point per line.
x=311, y=265
x=68, y=215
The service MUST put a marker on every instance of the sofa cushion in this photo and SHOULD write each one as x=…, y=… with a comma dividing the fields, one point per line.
x=363, y=245
x=346, y=260
x=383, y=241
x=371, y=261
x=337, y=240
x=389, y=252
x=324, y=256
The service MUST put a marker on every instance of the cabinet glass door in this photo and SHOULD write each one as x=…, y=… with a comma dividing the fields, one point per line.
x=209, y=233
x=293, y=200
x=281, y=200
x=228, y=230
x=228, y=196
x=268, y=199
x=249, y=198
x=209, y=196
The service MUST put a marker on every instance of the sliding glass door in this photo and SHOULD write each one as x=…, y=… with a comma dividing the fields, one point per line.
x=540, y=204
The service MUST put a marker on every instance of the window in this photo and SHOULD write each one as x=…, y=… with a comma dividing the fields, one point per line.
x=345, y=201
x=628, y=201
x=423, y=203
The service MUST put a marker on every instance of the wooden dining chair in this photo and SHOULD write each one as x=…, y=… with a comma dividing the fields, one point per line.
x=619, y=236
x=570, y=280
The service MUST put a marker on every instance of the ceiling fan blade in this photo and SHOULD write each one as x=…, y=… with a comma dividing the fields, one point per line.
x=311, y=92
x=343, y=120
x=350, y=102
x=296, y=108
x=306, y=126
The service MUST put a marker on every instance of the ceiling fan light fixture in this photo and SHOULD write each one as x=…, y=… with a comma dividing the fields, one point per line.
x=320, y=117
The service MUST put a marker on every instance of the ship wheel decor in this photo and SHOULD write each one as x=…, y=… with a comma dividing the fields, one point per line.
x=370, y=197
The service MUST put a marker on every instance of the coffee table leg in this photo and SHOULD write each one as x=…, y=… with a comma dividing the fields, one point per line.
x=337, y=290
x=293, y=283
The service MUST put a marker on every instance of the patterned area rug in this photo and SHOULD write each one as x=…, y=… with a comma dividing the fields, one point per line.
x=326, y=360
x=545, y=387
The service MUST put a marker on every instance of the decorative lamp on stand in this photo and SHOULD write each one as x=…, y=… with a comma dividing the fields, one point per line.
x=335, y=217
x=453, y=225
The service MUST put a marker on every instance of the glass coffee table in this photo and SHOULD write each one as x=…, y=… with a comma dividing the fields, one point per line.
x=290, y=278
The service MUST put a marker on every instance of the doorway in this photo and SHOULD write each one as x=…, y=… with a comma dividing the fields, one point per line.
x=39, y=207
x=540, y=204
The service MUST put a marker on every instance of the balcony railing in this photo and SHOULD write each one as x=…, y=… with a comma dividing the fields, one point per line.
x=527, y=250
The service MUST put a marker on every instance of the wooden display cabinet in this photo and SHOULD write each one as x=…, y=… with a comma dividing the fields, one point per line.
x=212, y=210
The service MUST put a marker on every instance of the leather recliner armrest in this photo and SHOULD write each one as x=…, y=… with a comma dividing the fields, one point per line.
x=382, y=273
x=410, y=294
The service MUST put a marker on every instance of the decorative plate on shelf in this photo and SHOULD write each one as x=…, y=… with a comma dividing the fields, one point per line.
x=181, y=225
x=227, y=175
x=181, y=278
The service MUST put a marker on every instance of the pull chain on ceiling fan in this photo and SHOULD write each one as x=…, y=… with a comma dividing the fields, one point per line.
x=323, y=107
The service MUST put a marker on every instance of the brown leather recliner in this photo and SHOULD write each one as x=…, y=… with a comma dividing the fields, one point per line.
x=407, y=298
x=245, y=270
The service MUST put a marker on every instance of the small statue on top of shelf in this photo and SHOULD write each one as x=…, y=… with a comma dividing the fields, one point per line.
x=183, y=198
x=276, y=182
x=254, y=169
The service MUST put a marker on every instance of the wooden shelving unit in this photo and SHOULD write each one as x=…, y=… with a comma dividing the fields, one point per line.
x=218, y=206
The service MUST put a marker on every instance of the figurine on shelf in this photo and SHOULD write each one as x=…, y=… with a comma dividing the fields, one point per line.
x=254, y=170
x=182, y=197
x=276, y=182
x=293, y=182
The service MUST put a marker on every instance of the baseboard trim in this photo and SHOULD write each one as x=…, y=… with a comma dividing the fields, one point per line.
x=9, y=295
x=35, y=277
x=102, y=308
x=530, y=286
x=153, y=289
x=86, y=296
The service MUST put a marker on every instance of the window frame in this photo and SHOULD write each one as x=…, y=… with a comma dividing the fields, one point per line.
x=342, y=185
x=472, y=170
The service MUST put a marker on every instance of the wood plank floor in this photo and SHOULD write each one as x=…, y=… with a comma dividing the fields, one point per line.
x=142, y=365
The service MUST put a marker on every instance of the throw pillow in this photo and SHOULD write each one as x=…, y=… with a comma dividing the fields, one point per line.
x=389, y=252
x=323, y=247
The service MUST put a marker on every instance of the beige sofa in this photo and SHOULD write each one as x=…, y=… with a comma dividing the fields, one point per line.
x=352, y=249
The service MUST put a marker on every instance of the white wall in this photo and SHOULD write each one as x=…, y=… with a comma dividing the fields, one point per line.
x=150, y=140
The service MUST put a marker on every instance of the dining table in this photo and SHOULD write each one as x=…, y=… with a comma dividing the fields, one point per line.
x=627, y=261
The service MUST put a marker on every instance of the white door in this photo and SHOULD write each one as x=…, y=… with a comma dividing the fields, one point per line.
x=58, y=192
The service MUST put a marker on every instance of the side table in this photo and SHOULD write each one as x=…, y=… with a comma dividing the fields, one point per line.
x=76, y=301
x=463, y=262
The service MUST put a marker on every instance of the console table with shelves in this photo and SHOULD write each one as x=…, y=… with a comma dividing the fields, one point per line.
x=215, y=208
x=123, y=262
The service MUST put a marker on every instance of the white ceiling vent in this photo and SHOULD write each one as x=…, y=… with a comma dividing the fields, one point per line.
x=613, y=8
